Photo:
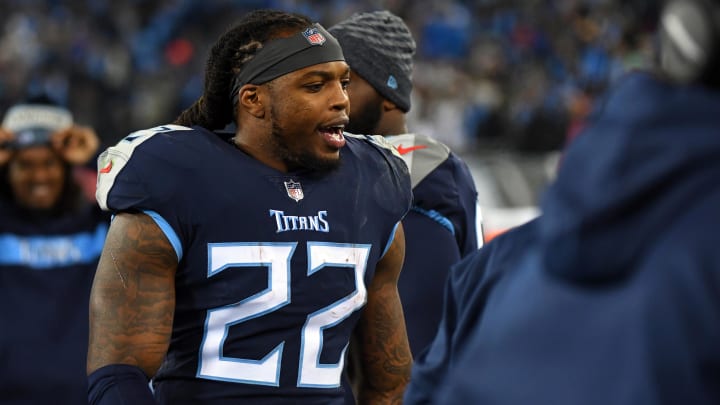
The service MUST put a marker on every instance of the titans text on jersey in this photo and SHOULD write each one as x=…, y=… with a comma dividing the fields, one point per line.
x=300, y=222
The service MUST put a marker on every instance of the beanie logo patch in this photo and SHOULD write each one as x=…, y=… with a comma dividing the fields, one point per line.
x=314, y=36
x=392, y=83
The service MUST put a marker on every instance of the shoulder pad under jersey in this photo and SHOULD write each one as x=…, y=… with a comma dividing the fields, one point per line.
x=421, y=153
x=113, y=160
x=377, y=140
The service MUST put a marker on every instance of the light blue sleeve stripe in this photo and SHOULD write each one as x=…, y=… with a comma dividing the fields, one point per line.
x=390, y=241
x=437, y=217
x=168, y=231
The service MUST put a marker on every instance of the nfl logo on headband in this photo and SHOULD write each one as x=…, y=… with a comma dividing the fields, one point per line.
x=314, y=36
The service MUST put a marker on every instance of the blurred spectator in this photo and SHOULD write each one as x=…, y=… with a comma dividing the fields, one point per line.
x=502, y=83
x=51, y=236
x=488, y=72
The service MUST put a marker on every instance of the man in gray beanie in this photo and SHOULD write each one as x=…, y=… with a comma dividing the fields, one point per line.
x=379, y=47
x=440, y=229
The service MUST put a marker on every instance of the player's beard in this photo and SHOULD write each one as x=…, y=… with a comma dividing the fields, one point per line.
x=303, y=159
x=365, y=121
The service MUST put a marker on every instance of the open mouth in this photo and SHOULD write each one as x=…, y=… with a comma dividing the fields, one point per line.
x=333, y=135
x=40, y=191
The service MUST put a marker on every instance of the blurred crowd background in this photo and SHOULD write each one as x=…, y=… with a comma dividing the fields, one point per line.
x=505, y=83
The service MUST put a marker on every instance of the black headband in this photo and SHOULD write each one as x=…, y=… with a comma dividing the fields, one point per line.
x=311, y=46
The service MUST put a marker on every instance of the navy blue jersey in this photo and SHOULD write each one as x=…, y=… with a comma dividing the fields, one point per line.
x=469, y=284
x=618, y=299
x=272, y=266
x=46, y=270
x=443, y=187
x=439, y=231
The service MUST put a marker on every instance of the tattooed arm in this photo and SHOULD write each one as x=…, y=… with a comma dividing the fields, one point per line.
x=382, y=349
x=133, y=296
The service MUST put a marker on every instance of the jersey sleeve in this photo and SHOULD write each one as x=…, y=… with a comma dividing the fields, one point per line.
x=396, y=173
x=142, y=173
x=443, y=187
x=385, y=169
x=465, y=216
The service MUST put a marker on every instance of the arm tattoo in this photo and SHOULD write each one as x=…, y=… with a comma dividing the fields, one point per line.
x=133, y=296
x=384, y=349
x=385, y=352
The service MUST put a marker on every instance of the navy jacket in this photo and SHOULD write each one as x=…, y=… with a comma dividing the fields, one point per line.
x=47, y=267
x=618, y=302
x=468, y=288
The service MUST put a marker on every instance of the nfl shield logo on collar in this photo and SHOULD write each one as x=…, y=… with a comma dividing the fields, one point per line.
x=294, y=190
x=314, y=36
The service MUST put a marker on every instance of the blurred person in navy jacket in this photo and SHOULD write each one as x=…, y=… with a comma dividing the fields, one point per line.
x=51, y=236
x=617, y=298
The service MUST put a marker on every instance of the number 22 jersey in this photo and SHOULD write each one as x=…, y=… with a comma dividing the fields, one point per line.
x=272, y=266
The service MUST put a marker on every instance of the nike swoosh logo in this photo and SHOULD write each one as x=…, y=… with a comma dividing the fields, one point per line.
x=107, y=168
x=403, y=151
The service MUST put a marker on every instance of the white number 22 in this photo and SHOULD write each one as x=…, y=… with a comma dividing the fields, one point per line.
x=276, y=257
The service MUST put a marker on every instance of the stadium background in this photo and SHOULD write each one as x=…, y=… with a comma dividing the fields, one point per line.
x=504, y=83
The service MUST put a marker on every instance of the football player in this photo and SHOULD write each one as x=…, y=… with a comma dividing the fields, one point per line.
x=237, y=267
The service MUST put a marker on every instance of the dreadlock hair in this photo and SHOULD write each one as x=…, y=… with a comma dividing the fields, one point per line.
x=214, y=109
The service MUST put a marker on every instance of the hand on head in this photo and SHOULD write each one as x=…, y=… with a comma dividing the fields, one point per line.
x=5, y=151
x=76, y=144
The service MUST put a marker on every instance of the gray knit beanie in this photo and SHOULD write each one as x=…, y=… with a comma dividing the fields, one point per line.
x=379, y=47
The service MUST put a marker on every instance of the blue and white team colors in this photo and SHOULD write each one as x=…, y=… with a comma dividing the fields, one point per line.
x=272, y=266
